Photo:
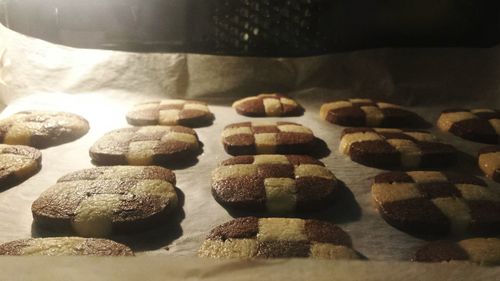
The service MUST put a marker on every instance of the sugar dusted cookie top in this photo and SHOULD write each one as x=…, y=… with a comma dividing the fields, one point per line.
x=42, y=129
x=17, y=163
x=102, y=201
x=479, y=125
x=268, y=105
x=273, y=183
x=267, y=138
x=483, y=251
x=148, y=145
x=64, y=246
x=368, y=113
x=431, y=202
x=252, y=237
x=170, y=112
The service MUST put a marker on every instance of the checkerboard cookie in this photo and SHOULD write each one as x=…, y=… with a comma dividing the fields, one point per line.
x=64, y=246
x=17, y=163
x=489, y=162
x=479, y=125
x=248, y=138
x=148, y=145
x=483, y=251
x=42, y=129
x=368, y=113
x=268, y=105
x=252, y=237
x=430, y=202
x=102, y=201
x=170, y=112
x=395, y=148
x=273, y=183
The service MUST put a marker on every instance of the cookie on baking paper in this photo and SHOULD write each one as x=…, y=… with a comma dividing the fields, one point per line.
x=268, y=105
x=64, y=246
x=102, y=201
x=479, y=125
x=267, y=138
x=368, y=113
x=148, y=145
x=17, y=163
x=489, y=162
x=273, y=183
x=170, y=112
x=252, y=237
x=395, y=148
x=430, y=202
x=42, y=129
x=483, y=251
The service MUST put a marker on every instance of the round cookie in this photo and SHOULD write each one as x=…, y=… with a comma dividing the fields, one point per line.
x=273, y=183
x=268, y=105
x=368, y=113
x=64, y=246
x=395, y=148
x=483, y=251
x=42, y=129
x=148, y=145
x=249, y=138
x=170, y=112
x=17, y=163
x=102, y=201
x=252, y=237
x=479, y=125
x=489, y=162
x=438, y=203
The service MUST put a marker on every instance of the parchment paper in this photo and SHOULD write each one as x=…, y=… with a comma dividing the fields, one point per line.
x=102, y=85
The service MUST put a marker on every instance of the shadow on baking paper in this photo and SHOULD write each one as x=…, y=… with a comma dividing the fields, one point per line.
x=151, y=239
x=343, y=208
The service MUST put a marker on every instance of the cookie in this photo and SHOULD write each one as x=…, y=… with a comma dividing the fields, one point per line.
x=268, y=105
x=64, y=246
x=276, y=183
x=395, y=148
x=42, y=129
x=429, y=202
x=479, y=125
x=170, y=112
x=160, y=145
x=368, y=113
x=489, y=162
x=483, y=251
x=248, y=138
x=102, y=201
x=17, y=163
x=252, y=237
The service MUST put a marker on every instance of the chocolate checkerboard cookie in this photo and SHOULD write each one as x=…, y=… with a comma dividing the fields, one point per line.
x=170, y=112
x=159, y=145
x=489, y=162
x=42, y=129
x=480, y=125
x=368, y=113
x=102, y=201
x=268, y=105
x=483, y=251
x=430, y=202
x=17, y=163
x=395, y=148
x=276, y=183
x=267, y=138
x=252, y=237
x=64, y=246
